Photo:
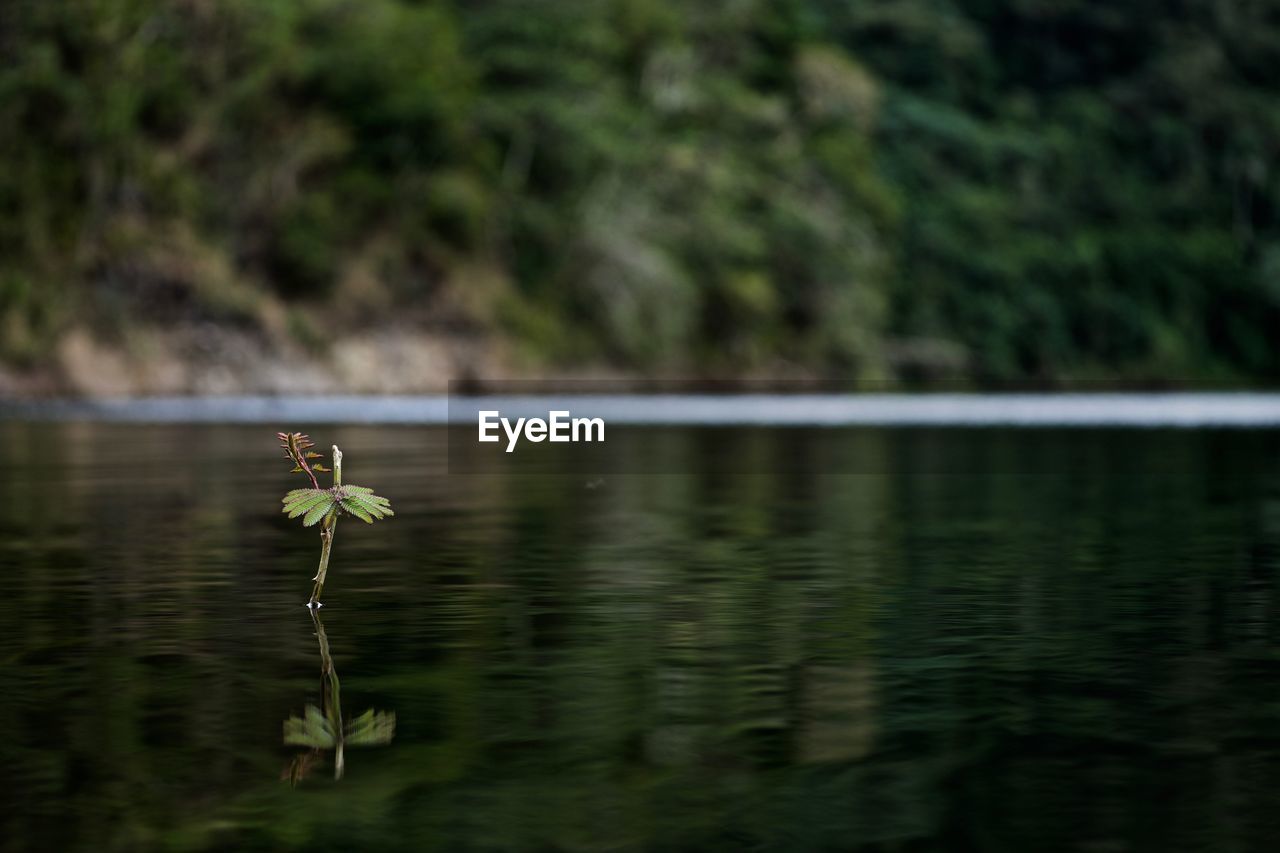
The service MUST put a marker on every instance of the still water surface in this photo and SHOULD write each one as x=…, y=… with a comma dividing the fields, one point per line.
x=1079, y=658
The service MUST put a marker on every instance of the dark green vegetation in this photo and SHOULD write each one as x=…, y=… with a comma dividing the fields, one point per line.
x=1083, y=658
x=883, y=187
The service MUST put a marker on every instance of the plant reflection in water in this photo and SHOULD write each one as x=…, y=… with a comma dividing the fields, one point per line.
x=323, y=729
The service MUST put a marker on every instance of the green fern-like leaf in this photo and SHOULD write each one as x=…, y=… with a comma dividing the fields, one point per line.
x=319, y=511
x=306, y=501
x=353, y=506
x=298, y=495
x=313, y=730
x=373, y=509
x=372, y=728
x=315, y=504
x=361, y=502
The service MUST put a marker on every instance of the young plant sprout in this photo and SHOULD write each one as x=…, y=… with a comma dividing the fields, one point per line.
x=323, y=506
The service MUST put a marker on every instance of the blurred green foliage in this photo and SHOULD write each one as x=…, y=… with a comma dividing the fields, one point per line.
x=887, y=187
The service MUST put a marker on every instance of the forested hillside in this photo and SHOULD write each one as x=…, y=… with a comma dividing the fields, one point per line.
x=876, y=188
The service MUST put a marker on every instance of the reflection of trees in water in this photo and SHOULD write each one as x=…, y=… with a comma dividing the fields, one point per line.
x=323, y=729
x=781, y=661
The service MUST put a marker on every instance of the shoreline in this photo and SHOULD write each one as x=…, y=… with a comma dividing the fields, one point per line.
x=1173, y=410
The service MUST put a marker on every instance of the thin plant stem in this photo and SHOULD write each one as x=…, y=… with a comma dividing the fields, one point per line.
x=327, y=528
x=332, y=696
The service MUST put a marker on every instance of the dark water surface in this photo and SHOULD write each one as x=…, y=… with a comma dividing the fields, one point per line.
x=1075, y=657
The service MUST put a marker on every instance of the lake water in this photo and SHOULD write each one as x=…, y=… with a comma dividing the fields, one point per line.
x=1081, y=653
